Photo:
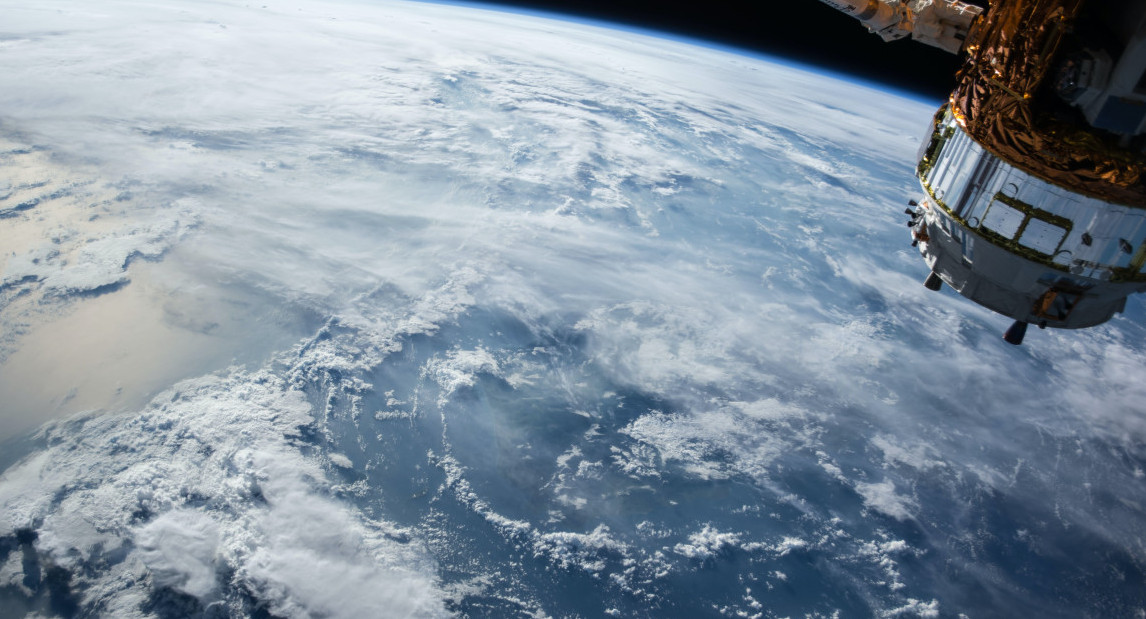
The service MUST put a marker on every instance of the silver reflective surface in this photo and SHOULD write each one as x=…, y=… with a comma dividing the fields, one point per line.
x=968, y=181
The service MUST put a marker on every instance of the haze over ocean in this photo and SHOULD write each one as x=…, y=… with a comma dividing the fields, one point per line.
x=349, y=308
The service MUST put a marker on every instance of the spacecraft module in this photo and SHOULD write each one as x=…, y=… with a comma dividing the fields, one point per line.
x=1033, y=172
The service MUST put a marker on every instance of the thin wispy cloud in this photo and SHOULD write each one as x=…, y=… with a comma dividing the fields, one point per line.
x=462, y=311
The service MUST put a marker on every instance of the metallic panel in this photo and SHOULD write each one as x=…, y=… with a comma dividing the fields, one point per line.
x=1001, y=202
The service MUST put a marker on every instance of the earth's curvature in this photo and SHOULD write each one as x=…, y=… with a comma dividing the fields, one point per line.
x=399, y=309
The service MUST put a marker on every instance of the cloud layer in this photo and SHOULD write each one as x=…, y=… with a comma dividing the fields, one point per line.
x=552, y=320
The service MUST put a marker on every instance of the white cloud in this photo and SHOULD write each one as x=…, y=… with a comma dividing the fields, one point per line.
x=221, y=485
x=707, y=543
x=919, y=456
x=789, y=544
x=882, y=497
x=460, y=369
x=668, y=216
x=586, y=551
x=180, y=549
x=915, y=608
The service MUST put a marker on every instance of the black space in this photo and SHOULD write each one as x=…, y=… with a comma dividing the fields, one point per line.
x=797, y=30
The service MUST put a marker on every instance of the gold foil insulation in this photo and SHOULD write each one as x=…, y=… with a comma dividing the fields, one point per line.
x=997, y=100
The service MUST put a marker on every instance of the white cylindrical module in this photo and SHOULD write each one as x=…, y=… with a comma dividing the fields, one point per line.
x=942, y=23
x=1021, y=246
x=939, y=23
x=880, y=18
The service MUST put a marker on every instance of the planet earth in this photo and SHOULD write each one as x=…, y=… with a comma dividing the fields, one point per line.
x=386, y=309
